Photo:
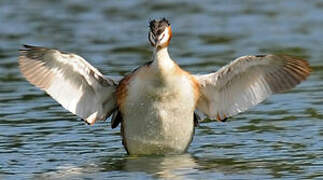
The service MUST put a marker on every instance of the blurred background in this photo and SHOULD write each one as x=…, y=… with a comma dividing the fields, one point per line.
x=281, y=138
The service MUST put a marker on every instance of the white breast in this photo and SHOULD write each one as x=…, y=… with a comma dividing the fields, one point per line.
x=158, y=113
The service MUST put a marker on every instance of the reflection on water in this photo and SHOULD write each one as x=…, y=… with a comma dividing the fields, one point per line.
x=172, y=166
x=166, y=167
x=282, y=138
x=182, y=166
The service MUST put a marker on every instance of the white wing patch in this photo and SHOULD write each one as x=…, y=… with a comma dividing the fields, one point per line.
x=70, y=80
x=246, y=82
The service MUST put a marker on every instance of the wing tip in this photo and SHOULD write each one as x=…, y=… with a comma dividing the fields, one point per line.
x=30, y=48
x=27, y=47
x=300, y=64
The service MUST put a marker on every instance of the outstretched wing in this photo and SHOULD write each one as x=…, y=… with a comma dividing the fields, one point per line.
x=246, y=82
x=70, y=80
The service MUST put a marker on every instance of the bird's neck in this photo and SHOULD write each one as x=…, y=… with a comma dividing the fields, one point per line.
x=162, y=61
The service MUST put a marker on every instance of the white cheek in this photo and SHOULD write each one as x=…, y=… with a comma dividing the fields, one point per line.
x=164, y=36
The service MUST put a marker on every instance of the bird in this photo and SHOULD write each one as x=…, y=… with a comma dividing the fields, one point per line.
x=158, y=104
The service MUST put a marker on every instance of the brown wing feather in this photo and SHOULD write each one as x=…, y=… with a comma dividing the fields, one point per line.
x=247, y=81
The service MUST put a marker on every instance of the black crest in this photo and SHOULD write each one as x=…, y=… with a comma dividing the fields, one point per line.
x=158, y=26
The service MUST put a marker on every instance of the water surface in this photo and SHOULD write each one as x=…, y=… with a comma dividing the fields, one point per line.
x=281, y=138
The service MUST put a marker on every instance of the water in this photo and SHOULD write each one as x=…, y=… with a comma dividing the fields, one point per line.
x=281, y=138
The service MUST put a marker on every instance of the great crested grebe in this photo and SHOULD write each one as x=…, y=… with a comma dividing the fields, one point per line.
x=156, y=103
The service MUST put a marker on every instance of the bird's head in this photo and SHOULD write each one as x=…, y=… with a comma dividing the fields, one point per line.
x=160, y=33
